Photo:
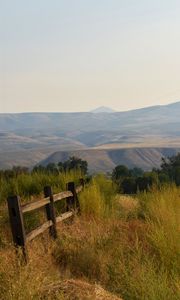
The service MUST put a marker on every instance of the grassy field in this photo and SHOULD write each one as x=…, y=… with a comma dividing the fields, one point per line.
x=119, y=247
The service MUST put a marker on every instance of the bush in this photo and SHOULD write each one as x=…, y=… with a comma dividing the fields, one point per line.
x=129, y=186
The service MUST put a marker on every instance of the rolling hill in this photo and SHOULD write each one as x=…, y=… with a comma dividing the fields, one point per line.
x=151, y=120
x=27, y=138
x=105, y=160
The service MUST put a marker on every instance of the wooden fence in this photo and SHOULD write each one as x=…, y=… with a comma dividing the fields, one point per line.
x=16, y=211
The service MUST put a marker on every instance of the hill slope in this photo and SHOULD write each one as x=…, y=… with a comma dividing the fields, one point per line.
x=152, y=120
x=105, y=160
x=27, y=138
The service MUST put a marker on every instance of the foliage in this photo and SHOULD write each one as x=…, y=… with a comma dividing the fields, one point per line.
x=120, y=172
x=171, y=168
x=32, y=184
x=129, y=185
x=131, y=181
x=73, y=163
x=27, y=184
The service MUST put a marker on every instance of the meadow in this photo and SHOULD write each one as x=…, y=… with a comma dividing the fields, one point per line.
x=126, y=246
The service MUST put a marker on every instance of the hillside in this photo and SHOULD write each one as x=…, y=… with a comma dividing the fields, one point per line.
x=28, y=138
x=105, y=160
x=150, y=120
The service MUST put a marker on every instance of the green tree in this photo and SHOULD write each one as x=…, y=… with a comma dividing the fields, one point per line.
x=76, y=163
x=60, y=166
x=52, y=168
x=145, y=182
x=39, y=168
x=128, y=185
x=136, y=172
x=171, y=168
x=119, y=173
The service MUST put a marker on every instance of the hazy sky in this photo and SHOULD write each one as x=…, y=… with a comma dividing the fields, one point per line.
x=75, y=55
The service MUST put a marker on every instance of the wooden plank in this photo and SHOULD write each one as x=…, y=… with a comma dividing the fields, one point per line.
x=34, y=233
x=62, y=195
x=64, y=216
x=42, y=202
x=35, y=204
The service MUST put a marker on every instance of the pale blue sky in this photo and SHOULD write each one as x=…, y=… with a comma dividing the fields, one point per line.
x=75, y=55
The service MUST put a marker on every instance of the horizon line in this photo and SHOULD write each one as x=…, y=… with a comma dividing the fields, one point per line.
x=90, y=111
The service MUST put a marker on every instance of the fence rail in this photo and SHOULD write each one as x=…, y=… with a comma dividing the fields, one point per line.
x=16, y=211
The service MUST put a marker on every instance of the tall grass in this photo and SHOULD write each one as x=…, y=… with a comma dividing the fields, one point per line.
x=19, y=282
x=98, y=199
x=135, y=258
x=29, y=185
x=163, y=215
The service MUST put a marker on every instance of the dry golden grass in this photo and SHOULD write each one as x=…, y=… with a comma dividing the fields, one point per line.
x=78, y=290
x=105, y=255
x=128, y=203
x=18, y=281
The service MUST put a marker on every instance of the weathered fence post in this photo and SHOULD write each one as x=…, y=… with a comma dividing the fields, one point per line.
x=72, y=202
x=17, y=224
x=50, y=211
x=82, y=182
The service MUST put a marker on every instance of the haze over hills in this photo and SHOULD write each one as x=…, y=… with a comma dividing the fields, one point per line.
x=28, y=138
x=127, y=121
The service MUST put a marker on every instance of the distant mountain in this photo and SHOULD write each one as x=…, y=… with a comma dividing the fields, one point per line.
x=163, y=119
x=27, y=138
x=102, y=109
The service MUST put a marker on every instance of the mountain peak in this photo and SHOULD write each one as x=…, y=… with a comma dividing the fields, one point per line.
x=102, y=109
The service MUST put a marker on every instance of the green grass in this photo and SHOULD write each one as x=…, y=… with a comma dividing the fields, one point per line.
x=31, y=185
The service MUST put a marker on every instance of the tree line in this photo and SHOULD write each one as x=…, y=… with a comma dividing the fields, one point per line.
x=128, y=180
x=72, y=163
